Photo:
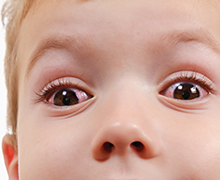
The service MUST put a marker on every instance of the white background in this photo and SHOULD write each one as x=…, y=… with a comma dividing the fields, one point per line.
x=3, y=174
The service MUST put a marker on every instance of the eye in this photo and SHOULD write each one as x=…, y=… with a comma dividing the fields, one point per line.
x=61, y=92
x=68, y=97
x=185, y=91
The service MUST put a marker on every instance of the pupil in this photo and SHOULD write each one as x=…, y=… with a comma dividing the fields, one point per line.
x=66, y=101
x=186, y=95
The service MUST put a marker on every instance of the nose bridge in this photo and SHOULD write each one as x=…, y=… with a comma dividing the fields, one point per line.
x=128, y=104
x=125, y=129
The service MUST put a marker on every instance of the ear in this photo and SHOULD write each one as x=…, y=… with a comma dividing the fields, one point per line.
x=10, y=157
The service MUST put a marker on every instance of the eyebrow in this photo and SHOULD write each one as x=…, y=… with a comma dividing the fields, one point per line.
x=167, y=39
x=193, y=35
x=72, y=43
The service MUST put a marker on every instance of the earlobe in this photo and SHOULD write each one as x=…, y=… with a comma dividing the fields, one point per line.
x=10, y=157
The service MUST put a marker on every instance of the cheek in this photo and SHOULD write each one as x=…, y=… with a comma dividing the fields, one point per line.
x=51, y=150
x=195, y=148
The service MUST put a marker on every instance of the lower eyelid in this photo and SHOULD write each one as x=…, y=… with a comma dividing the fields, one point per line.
x=191, y=106
x=68, y=111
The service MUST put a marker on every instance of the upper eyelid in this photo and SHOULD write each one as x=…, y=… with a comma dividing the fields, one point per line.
x=65, y=82
x=190, y=76
x=71, y=81
x=59, y=84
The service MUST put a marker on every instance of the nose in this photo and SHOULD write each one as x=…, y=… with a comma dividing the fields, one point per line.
x=122, y=137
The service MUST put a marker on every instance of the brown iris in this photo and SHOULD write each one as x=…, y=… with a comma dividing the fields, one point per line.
x=186, y=91
x=65, y=97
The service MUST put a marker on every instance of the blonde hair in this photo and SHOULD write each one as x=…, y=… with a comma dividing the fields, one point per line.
x=13, y=13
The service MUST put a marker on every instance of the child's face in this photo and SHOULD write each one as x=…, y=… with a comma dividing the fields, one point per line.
x=119, y=90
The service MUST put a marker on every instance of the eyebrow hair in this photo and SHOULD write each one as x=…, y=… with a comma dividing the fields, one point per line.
x=198, y=35
x=167, y=39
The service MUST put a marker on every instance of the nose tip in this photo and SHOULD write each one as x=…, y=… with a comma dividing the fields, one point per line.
x=120, y=139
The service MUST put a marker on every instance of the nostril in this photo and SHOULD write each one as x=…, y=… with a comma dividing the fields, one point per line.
x=108, y=147
x=138, y=146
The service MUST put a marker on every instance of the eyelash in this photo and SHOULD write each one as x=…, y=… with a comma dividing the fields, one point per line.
x=53, y=87
x=192, y=78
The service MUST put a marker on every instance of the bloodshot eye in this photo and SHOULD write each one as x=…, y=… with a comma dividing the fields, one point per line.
x=65, y=91
x=185, y=91
x=68, y=97
x=65, y=97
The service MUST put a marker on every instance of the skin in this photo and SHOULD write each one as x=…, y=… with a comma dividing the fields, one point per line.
x=123, y=54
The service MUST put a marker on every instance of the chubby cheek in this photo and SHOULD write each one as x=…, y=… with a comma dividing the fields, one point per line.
x=194, y=150
x=52, y=151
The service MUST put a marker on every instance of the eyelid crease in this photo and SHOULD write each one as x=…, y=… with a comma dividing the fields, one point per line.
x=191, y=106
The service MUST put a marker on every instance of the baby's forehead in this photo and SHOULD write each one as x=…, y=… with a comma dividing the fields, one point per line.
x=95, y=17
x=146, y=7
x=125, y=14
x=99, y=21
